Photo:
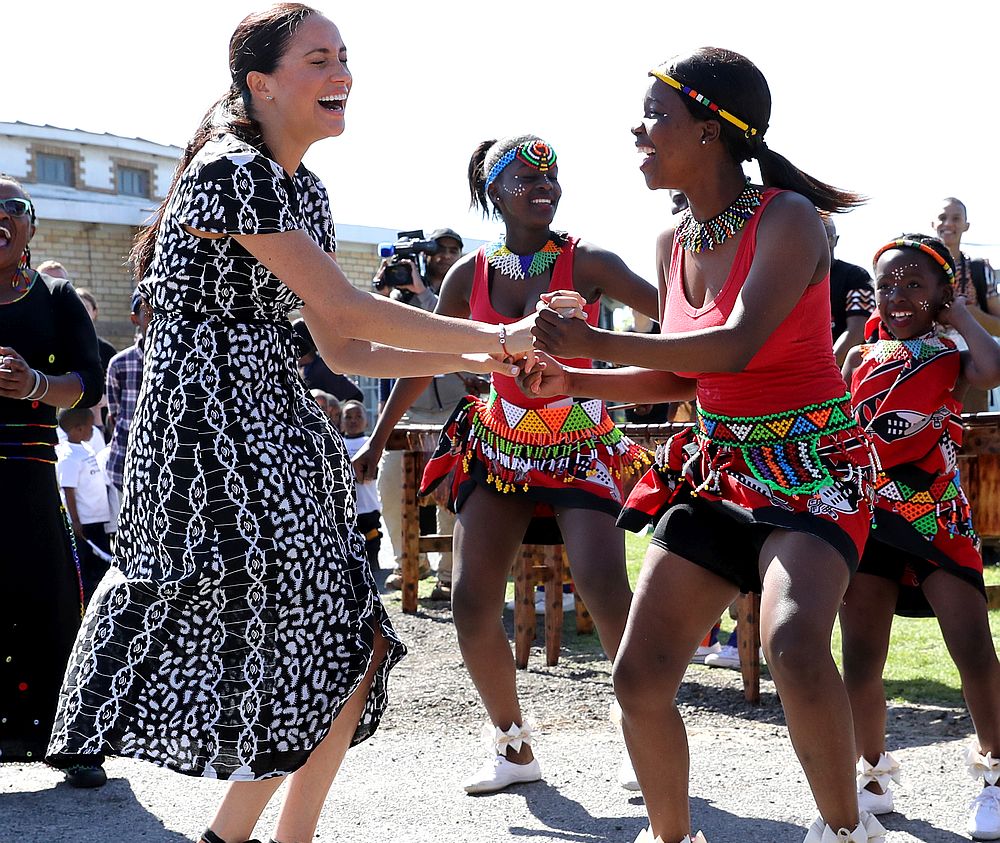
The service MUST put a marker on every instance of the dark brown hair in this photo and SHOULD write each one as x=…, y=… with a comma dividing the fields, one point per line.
x=259, y=43
x=734, y=83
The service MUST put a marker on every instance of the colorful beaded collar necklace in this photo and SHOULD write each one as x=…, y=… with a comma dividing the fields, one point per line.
x=697, y=236
x=521, y=266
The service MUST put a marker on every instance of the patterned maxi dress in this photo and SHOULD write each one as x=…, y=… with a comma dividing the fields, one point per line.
x=240, y=612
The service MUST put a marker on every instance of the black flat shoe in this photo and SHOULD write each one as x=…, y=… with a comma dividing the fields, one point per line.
x=209, y=836
x=83, y=776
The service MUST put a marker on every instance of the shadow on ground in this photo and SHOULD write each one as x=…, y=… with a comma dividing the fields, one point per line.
x=62, y=812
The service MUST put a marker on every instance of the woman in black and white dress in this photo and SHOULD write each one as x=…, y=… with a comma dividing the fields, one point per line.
x=239, y=634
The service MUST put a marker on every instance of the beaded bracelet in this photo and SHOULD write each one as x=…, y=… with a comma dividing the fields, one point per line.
x=503, y=338
x=34, y=388
x=83, y=388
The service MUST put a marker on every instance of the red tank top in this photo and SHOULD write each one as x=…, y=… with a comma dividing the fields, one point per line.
x=795, y=366
x=481, y=309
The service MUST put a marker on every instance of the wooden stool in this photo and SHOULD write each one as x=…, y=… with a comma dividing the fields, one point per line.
x=547, y=565
x=748, y=619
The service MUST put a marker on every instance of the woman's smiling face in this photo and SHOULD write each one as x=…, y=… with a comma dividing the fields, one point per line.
x=16, y=228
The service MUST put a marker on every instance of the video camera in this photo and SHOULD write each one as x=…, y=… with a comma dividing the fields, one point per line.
x=408, y=247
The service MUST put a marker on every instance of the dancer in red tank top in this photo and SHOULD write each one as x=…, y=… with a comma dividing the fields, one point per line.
x=519, y=461
x=770, y=489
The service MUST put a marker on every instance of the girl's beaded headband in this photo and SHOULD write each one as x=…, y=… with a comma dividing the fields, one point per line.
x=535, y=153
x=747, y=129
x=906, y=243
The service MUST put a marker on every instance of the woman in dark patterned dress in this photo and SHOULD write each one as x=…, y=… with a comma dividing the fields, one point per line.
x=239, y=634
x=48, y=359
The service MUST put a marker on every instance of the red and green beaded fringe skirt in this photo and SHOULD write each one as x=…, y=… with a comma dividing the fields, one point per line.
x=784, y=469
x=566, y=456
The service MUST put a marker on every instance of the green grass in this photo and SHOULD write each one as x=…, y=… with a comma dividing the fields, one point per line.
x=919, y=669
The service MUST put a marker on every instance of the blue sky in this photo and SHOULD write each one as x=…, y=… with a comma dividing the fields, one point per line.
x=897, y=102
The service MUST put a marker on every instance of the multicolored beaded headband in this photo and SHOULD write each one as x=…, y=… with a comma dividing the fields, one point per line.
x=748, y=130
x=534, y=153
x=905, y=243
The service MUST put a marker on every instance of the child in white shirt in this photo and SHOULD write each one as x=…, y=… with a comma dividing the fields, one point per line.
x=84, y=489
x=353, y=425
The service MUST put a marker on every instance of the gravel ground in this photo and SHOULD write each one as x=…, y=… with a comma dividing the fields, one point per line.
x=404, y=784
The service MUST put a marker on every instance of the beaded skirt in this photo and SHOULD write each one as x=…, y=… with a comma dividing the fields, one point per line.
x=570, y=455
x=808, y=470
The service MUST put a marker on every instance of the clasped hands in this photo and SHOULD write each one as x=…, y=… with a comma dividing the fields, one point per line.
x=558, y=326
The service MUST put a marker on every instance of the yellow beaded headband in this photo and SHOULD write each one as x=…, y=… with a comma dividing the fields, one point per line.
x=746, y=128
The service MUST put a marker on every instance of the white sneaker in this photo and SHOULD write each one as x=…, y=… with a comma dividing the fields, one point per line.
x=984, y=814
x=875, y=803
x=626, y=774
x=869, y=830
x=726, y=657
x=646, y=836
x=498, y=773
x=702, y=652
x=882, y=773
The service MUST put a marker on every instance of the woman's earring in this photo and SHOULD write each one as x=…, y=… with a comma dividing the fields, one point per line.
x=269, y=97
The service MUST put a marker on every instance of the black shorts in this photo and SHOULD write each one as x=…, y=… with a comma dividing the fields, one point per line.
x=727, y=539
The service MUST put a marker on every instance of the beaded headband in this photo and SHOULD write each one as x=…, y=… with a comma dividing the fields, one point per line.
x=534, y=153
x=904, y=243
x=747, y=129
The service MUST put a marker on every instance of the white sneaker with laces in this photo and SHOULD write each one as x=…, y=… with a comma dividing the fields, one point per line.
x=869, y=830
x=882, y=773
x=726, y=657
x=984, y=814
x=646, y=836
x=702, y=652
x=498, y=773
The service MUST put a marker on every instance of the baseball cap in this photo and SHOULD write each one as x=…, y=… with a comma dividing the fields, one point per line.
x=439, y=233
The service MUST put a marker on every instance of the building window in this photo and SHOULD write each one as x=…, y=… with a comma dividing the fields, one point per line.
x=54, y=169
x=133, y=182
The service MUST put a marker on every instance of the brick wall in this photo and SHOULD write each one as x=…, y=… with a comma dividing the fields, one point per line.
x=94, y=256
x=359, y=261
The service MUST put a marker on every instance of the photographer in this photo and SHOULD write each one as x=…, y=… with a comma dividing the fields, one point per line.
x=435, y=403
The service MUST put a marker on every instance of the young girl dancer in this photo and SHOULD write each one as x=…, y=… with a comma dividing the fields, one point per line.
x=513, y=455
x=923, y=558
x=767, y=493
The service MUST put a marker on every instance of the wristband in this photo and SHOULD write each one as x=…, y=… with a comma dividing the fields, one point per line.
x=34, y=388
x=47, y=384
x=502, y=337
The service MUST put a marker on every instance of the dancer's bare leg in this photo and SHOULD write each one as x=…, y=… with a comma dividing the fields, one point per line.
x=961, y=612
x=804, y=582
x=675, y=604
x=307, y=787
x=865, y=624
x=596, y=550
x=488, y=534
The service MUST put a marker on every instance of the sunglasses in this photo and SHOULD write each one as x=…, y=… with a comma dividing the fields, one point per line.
x=15, y=207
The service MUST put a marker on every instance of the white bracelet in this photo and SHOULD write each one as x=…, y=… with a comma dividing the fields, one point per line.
x=47, y=384
x=34, y=388
x=503, y=338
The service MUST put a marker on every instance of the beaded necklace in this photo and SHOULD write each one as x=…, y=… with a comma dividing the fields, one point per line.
x=697, y=236
x=522, y=266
